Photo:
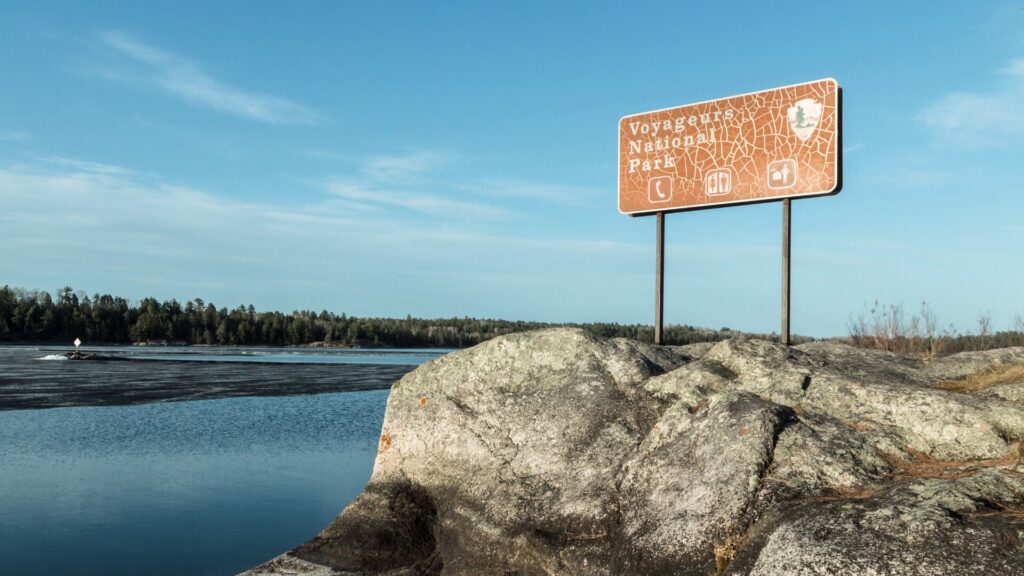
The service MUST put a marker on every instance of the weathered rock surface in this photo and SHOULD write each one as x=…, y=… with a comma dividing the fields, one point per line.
x=556, y=452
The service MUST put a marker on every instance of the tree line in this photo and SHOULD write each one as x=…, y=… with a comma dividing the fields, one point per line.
x=37, y=316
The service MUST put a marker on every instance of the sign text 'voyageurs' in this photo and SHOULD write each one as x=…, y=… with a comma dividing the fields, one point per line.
x=769, y=145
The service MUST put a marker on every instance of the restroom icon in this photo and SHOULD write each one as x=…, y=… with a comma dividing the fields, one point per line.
x=718, y=182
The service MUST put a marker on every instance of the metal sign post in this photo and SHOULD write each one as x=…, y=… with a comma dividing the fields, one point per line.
x=659, y=283
x=786, y=226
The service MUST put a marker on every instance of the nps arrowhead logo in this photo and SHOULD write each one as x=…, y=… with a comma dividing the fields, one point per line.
x=804, y=117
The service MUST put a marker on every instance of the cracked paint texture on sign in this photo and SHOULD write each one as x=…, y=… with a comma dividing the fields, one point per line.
x=767, y=145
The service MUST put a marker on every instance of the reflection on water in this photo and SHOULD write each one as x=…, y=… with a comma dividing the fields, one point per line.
x=205, y=487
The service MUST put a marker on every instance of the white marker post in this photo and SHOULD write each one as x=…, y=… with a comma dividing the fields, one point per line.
x=77, y=343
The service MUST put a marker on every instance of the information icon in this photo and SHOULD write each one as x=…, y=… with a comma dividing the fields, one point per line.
x=781, y=174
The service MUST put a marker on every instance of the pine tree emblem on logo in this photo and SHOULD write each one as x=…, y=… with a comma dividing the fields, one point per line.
x=804, y=117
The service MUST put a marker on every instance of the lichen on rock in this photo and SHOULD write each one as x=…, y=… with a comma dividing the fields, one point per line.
x=558, y=452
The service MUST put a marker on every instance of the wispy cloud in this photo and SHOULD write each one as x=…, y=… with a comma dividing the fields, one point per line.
x=413, y=182
x=65, y=222
x=409, y=168
x=912, y=177
x=321, y=154
x=85, y=165
x=981, y=118
x=102, y=212
x=560, y=194
x=430, y=204
x=412, y=166
x=65, y=219
x=13, y=136
x=440, y=183
x=186, y=80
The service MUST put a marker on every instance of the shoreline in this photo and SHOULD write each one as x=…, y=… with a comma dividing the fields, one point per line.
x=311, y=346
x=112, y=376
x=131, y=383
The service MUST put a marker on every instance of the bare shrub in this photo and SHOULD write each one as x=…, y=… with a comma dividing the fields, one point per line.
x=891, y=329
x=984, y=329
x=930, y=328
x=858, y=330
x=1018, y=328
x=887, y=326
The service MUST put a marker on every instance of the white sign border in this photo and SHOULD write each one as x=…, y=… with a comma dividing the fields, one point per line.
x=837, y=174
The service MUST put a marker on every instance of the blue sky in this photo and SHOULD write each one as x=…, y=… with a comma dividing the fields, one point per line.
x=459, y=158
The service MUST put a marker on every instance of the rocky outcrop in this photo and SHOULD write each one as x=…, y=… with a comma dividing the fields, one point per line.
x=557, y=452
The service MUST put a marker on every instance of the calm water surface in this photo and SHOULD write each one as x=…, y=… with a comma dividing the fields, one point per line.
x=190, y=487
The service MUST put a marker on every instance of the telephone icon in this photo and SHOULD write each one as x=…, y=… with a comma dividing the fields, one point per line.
x=659, y=189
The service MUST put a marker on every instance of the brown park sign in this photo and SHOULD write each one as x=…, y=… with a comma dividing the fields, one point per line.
x=769, y=145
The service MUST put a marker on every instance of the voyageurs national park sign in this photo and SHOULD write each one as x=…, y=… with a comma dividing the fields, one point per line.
x=768, y=145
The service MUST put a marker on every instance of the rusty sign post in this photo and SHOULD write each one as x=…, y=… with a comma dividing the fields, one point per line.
x=764, y=146
x=659, y=281
x=786, y=227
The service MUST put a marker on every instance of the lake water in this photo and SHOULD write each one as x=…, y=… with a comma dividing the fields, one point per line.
x=180, y=488
x=42, y=377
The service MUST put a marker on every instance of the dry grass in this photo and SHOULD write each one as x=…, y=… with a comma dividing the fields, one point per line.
x=995, y=376
x=858, y=426
x=843, y=493
x=922, y=465
x=726, y=551
x=386, y=440
x=854, y=493
x=1012, y=515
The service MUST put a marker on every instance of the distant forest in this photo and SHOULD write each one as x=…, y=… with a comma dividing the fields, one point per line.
x=36, y=316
